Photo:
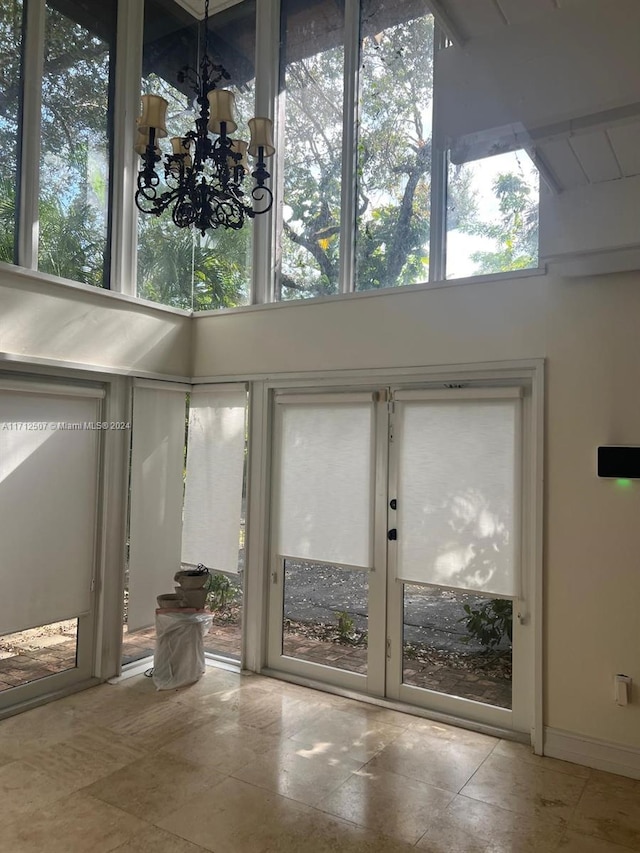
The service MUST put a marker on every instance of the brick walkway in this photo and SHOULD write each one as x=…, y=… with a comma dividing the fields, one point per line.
x=441, y=678
x=29, y=663
x=225, y=640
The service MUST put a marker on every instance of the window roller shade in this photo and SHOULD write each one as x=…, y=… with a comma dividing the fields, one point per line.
x=49, y=464
x=326, y=481
x=457, y=473
x=157, y=456
x=215, y=467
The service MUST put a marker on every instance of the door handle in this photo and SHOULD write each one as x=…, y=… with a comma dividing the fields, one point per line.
x=392, y=535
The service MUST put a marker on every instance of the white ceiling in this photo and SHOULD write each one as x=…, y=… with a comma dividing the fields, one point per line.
x=596, y=145
x=479, y=17
x=592, y=158
x=595, y=155
x=196, y=7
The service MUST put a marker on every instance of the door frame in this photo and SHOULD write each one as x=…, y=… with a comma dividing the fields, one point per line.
x=529, y=372
x=98, y=643
x=518, y=717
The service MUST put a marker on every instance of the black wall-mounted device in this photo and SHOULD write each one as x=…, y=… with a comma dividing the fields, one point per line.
x=621, y=462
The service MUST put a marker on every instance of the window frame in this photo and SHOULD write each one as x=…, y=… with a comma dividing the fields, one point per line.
x=126, y=65
x=28, y=188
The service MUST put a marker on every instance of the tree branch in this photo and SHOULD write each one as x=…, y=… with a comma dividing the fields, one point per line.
x=322, y=259
x=397, y=255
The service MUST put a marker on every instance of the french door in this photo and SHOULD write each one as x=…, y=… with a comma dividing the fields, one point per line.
x=50, y=466
x=400, y=541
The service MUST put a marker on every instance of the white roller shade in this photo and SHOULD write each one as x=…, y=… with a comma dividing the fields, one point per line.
x=157, y=459
x=457, y=470
x=326, y=481
x=49, y=463
x=215, y=466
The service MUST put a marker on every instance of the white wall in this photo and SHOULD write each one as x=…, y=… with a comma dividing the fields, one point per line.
x=587, y=330
x=446, y=325
x=44, y=319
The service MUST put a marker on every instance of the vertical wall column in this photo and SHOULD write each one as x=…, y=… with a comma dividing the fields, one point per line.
x=267, y=64
x=124, y=217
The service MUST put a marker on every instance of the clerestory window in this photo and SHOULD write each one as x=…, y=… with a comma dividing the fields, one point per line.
x=57, y=71
x=371, y=197
x=376, y=186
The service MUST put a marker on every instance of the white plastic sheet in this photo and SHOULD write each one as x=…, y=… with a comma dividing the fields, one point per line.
x=179, y=655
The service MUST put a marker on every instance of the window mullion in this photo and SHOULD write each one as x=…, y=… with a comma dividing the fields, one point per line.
x=124, y=218
x=32, y=70
x=438, y=216
x=267, y=73
x=349, y=146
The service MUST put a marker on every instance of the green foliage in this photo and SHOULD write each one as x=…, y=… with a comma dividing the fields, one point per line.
x=7, y=219
x=490, y=623
x=178, y=267
x=219, y=591
x=71, y=244
x=516, y=233
x=73, y=179
x=345, y=626
x=393, y=163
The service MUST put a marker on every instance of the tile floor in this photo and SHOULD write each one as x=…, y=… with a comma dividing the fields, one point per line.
x=245, y=764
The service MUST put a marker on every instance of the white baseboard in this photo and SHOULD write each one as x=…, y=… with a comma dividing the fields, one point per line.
x=600, y=754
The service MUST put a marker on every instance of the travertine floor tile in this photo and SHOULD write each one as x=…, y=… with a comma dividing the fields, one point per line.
x=387, y=803
x=246, y=819
x=223, y=744
x=575, y=842
x=76, y=824
x=85, y=758
x=154, y=724
x=271, y=712
x=467, y=825
x=155, y=787
x=441, y=756
x=24, y=789
x=305, y=773
x=525, y=788
x=247, y=764
x=38, y=729
x=601, y=781
x=350, y=731
x=609, y=812
x=522, y=752
x=155, y=840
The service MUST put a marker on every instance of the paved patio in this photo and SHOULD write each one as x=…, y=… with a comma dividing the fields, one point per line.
x=39, y=657
x=57, y=653
x=440, y=677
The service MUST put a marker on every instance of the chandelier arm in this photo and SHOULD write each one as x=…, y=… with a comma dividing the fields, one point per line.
x=148, y=200
x=259, y=193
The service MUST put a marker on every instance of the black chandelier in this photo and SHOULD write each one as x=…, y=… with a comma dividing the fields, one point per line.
x=204, y=174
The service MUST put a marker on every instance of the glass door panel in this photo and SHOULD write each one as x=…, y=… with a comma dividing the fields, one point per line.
x=325, y=615
x=452, y=650
x=26, y=656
